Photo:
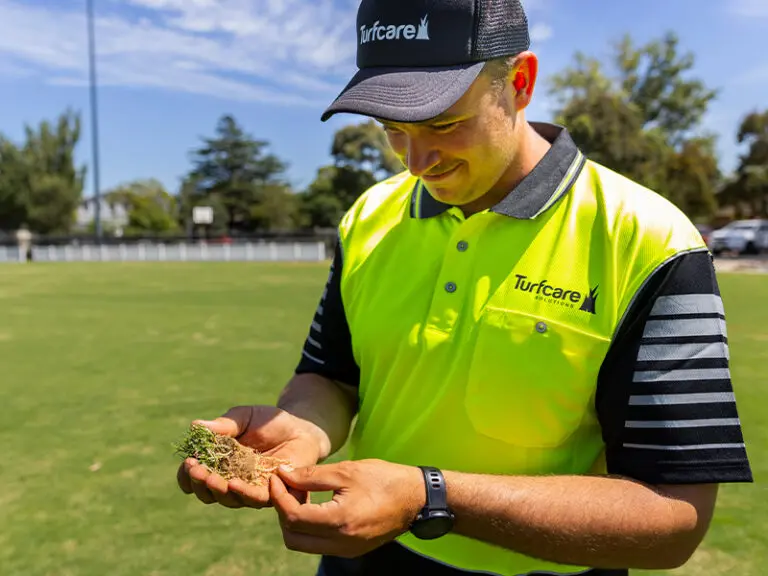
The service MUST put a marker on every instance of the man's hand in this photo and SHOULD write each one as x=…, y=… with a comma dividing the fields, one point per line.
x=373, y=503
x=267, y=429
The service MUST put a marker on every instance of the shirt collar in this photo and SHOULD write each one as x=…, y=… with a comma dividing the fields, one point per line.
x=552, y=177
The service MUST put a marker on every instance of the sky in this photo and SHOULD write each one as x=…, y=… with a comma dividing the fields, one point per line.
x=169, y=69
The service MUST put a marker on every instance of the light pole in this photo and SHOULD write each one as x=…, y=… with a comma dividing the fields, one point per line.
x=94, y=118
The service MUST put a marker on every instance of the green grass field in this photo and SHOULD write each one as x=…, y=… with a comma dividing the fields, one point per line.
x=104, y=365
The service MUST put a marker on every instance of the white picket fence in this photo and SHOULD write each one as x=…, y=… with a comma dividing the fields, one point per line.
x=250, y=252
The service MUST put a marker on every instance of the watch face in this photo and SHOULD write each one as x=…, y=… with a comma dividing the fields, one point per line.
x=438, y=524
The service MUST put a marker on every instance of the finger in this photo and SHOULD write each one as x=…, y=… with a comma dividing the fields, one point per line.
x=233, y=423
x=300, y=495
x=285, y=503
x=317, y=545
x=251, y=496
x=219, y=488
x=198, y=476
x=182, y=478
x=313, y=478
x=315, y=519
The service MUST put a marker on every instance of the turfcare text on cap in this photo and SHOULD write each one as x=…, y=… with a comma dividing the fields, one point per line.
x=416, y=58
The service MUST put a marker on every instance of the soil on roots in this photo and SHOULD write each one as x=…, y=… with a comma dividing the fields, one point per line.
x=245, y=463
x=227, y=457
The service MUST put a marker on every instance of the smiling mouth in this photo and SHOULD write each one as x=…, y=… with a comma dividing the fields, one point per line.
x=437, y=177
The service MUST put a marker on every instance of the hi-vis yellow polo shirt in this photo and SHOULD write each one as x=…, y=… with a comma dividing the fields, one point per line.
x=576, y=327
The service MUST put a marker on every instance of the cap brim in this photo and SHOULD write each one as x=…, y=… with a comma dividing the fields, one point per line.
x=404, y=95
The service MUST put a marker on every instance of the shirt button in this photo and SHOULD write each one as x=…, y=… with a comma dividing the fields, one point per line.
x=462, y=246
x=450, y=287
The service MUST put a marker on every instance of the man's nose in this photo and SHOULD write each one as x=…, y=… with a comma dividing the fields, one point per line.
x=420, y=157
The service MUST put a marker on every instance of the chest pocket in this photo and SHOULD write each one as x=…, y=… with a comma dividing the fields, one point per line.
x=531, y=380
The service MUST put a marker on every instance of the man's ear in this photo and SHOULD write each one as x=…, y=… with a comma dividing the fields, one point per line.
x=519, y=82
x=524, y=76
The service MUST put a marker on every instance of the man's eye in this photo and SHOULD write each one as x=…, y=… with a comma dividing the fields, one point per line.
x=443, y=128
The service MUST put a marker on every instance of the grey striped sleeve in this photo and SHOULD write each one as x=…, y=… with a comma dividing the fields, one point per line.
x=666, y=398
x=681, y=396
x=313, y=348
x=327, y=349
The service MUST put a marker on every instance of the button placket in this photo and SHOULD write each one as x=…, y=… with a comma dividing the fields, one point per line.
x=454, y=279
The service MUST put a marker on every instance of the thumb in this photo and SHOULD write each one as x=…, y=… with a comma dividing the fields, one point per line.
x=233, y=423
x=313, y=478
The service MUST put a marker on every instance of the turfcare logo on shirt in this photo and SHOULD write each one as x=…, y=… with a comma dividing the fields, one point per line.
x=559, y=296
x=379, y=31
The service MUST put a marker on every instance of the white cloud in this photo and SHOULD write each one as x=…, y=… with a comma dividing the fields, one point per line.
x=229, y=48
x=749, y=8
x=540, y=32
x=11, y=70
x=755, y=76
x=294, y=52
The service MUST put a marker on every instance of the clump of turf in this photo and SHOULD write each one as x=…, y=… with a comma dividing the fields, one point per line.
x=226, y=456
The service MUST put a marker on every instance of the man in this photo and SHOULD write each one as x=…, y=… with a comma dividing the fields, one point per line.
x=534, y=347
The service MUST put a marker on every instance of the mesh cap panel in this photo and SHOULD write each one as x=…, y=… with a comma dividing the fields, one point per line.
x=502, y=29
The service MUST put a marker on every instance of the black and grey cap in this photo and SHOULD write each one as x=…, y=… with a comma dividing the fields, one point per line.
x=416, y=58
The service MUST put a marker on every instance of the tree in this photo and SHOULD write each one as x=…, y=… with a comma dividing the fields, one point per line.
x=644, y=119
x=362, y=156
x=55, y=185
x=277, y=208
x=39, y=182
x=333, y=191
x=13, y=184
x=749, y=185
x=234, y=170
x=692, y=174
x=653, y=78
x=365, y=147
x=151, y=209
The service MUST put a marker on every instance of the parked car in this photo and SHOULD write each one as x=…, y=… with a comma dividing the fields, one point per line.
x=741, y=236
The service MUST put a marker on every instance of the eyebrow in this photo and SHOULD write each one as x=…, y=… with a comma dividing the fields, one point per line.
x=437, y=120
x=446, y=118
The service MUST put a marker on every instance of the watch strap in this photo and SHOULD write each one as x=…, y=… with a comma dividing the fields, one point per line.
x=437, y=498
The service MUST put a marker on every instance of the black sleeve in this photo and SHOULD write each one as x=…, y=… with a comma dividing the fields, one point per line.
x=328, y=347
x=665, y=399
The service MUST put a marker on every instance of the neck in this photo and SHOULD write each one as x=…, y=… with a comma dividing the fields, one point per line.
x=531, y=149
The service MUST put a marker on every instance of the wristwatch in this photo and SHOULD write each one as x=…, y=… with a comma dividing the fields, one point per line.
x=435, y=519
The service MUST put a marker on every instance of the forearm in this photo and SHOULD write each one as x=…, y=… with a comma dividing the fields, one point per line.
x=587, y=521
x=328, y=406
